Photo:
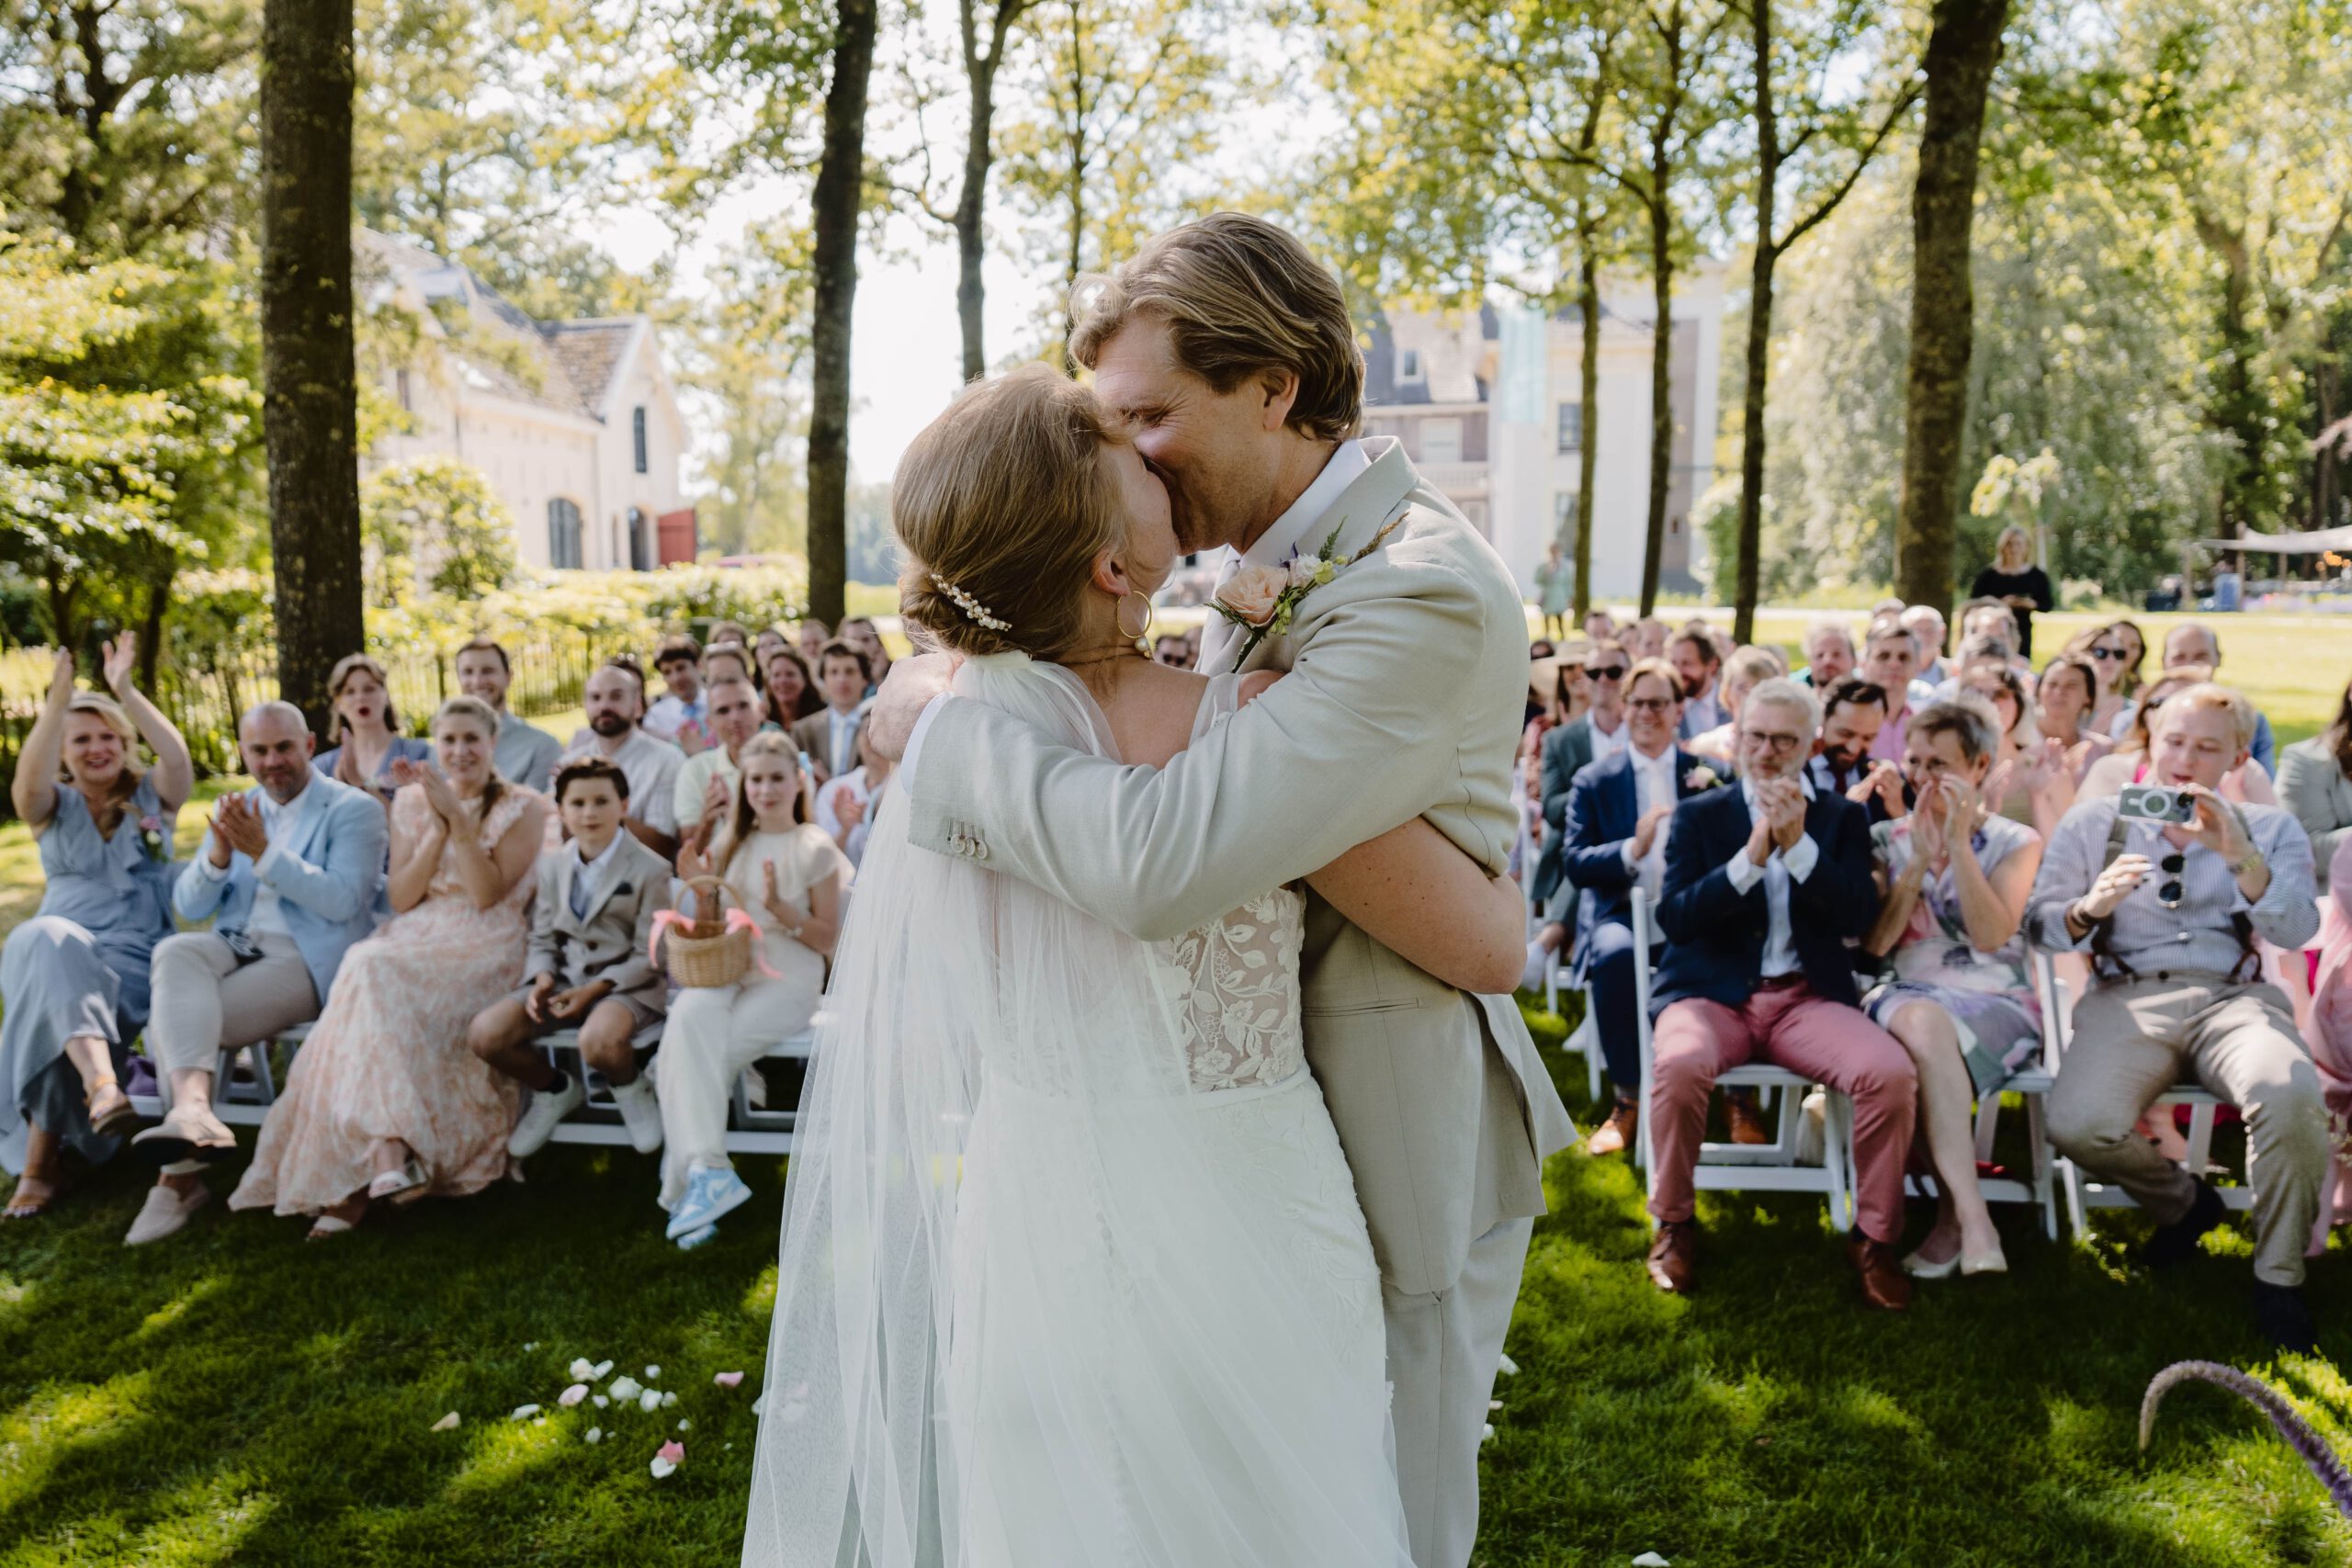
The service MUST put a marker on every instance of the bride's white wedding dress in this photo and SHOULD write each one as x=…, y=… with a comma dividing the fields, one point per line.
x=1073, y=1269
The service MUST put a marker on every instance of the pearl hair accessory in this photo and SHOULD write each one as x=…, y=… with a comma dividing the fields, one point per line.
x=971, y=607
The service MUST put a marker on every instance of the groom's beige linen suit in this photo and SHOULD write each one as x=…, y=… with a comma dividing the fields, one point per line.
x=1403, y=700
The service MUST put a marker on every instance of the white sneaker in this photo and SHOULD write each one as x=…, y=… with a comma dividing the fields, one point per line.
x=166, y=1212
x=547, y=1109
x=640, y=1113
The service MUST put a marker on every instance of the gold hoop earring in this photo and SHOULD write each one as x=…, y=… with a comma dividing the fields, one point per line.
x=1142, y=646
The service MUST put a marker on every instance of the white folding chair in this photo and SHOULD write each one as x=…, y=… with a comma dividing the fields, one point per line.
x=241, y=1098
x=2083, y=1193
x=1585, y=1038
x=1744, y=1167
x=2033, y=1086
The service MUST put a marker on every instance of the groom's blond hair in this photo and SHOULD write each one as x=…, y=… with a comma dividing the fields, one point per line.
x=1241, y=297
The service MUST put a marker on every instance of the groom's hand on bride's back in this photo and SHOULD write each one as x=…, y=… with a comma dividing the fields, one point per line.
x=906, y=691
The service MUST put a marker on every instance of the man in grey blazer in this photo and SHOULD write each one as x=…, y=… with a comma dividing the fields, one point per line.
x=1230, y=351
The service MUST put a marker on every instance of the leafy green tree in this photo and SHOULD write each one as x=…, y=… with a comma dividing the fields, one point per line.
x=746, y=364
x=435, y=523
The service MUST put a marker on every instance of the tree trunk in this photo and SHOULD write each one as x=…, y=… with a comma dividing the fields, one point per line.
x=1589, y=416
x=1962, y=52
x=1748, y=572
x=840, y=186
x=1661, y=377
x=980, y=152
x=150, y=628
x=309, y=397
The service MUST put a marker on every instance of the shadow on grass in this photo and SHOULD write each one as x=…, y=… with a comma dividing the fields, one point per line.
x=238, y=1395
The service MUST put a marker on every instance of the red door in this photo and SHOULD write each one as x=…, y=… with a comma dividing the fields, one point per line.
x=677, y=537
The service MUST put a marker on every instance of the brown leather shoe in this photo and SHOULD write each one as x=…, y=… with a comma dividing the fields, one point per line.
x=1674, y=1256
x=1885, y=1285
x=1616, y=1135
x=1747, y=1126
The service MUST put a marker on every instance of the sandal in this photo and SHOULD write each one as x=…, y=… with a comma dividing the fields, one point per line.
x=119, y=1112
x=23, y=1205
x=327, y=1225
x=404, y=1185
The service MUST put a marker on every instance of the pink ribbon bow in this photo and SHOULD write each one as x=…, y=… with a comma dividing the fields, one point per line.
x=737, y=920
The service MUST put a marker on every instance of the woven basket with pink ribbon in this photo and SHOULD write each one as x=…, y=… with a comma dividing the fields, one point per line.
x=716, y=945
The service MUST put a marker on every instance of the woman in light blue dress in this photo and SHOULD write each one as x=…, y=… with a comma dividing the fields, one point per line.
x=365, y=731
x=73, y=979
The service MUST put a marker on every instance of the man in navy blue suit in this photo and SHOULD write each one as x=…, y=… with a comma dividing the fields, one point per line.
x=1764, y=883
x=1614, y=840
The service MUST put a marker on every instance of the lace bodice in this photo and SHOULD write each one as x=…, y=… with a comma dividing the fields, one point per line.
x=1238, y=976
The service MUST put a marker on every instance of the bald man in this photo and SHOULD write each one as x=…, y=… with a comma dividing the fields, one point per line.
x=288, y=875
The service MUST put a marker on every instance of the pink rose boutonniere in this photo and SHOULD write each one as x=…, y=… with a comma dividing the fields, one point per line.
x=152, y=839
x=1261, y=600
x=1700, y=779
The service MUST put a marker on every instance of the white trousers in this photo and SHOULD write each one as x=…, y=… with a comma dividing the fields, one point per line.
x=205, y=1004
x=1443, y=1348
x=713, y=1033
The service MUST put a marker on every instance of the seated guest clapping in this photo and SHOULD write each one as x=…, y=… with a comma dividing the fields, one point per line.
x=2170, y=913
x=793, y=880
x=289, y=874
x=845, y=806
x=705, y=784
x=1954, y=877
x=365, y=731
x=384, y=1101
x=74, y=979
x=1763, y=884
x=1615, y=841
x=589, y=966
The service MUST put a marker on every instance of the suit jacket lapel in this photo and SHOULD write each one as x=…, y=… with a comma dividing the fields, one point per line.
x=616, y=877
x=1365, y=507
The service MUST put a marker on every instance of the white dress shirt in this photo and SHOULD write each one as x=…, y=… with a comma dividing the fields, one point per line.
x=589, y=880
x=1292, y=531
x=1608, y=743
x=841, y=730
x=1653, y=785
x=266, y=918
x=1776, y=873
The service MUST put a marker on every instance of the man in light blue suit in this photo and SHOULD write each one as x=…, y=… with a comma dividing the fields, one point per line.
x=288, y=874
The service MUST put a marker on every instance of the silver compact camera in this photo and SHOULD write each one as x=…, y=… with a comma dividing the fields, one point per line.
x=2156, y=803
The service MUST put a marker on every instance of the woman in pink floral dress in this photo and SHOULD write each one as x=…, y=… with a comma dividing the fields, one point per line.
x=385, y=1100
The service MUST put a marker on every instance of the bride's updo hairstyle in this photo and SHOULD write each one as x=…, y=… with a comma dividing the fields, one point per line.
x=1002, y=503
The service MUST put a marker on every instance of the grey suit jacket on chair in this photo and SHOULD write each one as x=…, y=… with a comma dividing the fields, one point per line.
x=1408, y=672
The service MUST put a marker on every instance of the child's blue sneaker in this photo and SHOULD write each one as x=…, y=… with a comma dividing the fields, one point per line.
x=711, y=1192
x=693, y=1239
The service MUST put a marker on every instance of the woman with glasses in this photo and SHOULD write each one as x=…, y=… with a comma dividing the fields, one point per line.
x=2108, y=651
x=1954, y=877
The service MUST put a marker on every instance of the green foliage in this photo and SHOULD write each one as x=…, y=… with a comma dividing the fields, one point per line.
x=435, y=523
x=746, y=366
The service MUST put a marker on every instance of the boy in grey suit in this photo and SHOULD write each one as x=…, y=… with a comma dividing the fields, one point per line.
x=1404, y=699
x=589, y=966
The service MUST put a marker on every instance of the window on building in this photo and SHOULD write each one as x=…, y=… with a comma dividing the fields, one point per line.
x=1441, y=441
x=1571, y=426
x=563, y=533
x=1408, y=365
x=400, y=385
x=637, y=435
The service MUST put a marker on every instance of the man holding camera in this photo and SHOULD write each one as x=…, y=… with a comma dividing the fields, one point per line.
x=2167, y=886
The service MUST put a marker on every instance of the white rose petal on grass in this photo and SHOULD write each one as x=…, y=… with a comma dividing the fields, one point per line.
x=668, y=1398
x=650, y=1401
x=523, y=1412
x=599, y=1372
x=446, y=1424
x=602, y=1402
x=595, y=1434
x=581, y=1370
x=625, y=1387
x=572, y=1395
x=1506, y=1365
x=530, y=1345
x=685, y=1425
x=1650, y=1560
x=1487, y=1433
x=652, y=1374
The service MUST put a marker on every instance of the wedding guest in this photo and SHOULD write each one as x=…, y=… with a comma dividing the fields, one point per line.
x=1172, y=650
x=290, y=873
x=2063, y=699
x=1763, y=885
x=764, y=646
x=707, y=782
x=615, y=698
x=1600, y=626
x=2030, y=784
x=1953, y=878
x=2315, y=783
x=1616, y=841
x=723, y=633
x=1852, y=712
x=1925, y=622
x=384, y=1102
x=1601, y=733
x=861, y=634
x=1555, y=580
x=363, y=733
x=2134, y=757
x=2193, y=643
x=1890, y=661
x=75, y=978
x=794, y=882
x=2170, y=916
x=678, y=661
x=2128, y=678
x=1698, y=662
x=813, y=635
x=845, y=806
x=791, y=689
x=2104, y=649
x=589, y=966
x=2017, y=582
x=1829, y=654
x=527, y=754
x=1742, y=673
x=1646, y=638
x=843, y=677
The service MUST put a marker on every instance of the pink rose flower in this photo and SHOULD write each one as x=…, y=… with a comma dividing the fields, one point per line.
x=1253, y=593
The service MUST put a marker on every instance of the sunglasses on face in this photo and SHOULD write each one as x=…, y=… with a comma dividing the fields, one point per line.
x=1606, y=672
x=2104, y=654
x=1650, y=704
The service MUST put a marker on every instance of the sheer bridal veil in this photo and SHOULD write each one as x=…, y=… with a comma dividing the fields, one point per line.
x=1018, y=1273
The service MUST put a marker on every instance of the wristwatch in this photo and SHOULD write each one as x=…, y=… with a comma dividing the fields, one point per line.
x=2247, y=862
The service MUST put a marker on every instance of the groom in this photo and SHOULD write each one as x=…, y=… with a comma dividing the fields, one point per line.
x=1229, y=351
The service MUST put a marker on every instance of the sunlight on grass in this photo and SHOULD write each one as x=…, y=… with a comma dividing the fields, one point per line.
x=501, y=1452
x=210, y=1523
x=41, y=1434
x=760, y=1300
x=171, y=1311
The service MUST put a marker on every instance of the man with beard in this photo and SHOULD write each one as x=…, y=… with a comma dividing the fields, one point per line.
x=615, y=702
x=1852, y=712
x=291, y=872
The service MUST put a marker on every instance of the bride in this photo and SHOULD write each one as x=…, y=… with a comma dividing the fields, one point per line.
x=1073, y=1271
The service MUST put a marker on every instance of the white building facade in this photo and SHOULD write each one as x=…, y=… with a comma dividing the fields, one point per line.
x=575, y=424
x=1490, y=409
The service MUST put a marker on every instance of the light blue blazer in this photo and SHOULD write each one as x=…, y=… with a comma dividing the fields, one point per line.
x=327, y=874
